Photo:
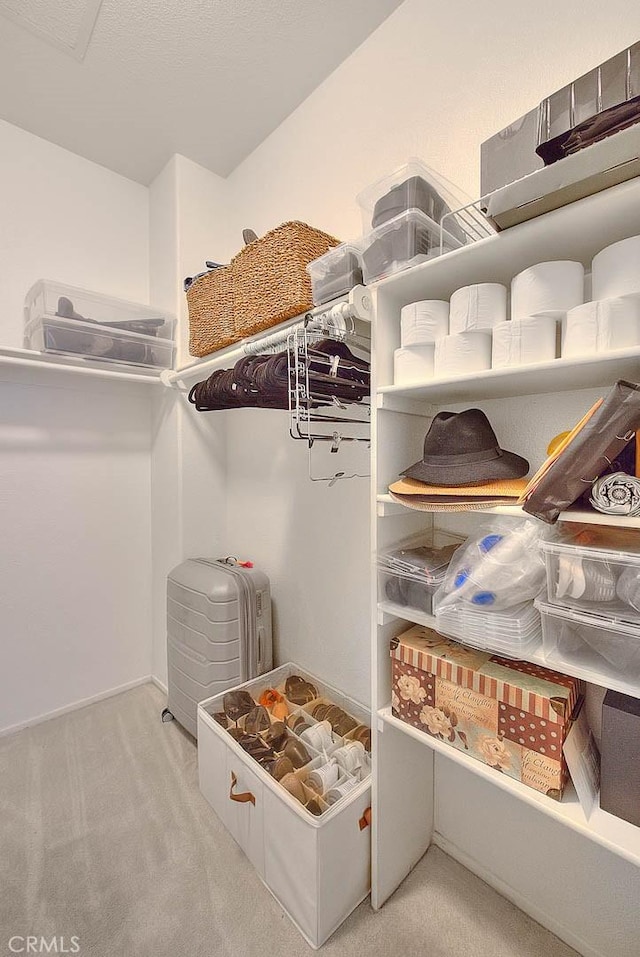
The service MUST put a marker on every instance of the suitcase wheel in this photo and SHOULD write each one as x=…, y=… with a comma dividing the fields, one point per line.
x=166, y=716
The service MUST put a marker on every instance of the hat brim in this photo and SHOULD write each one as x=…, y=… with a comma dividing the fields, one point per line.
x=506, y=466
x=503, y=488
x=426, y=503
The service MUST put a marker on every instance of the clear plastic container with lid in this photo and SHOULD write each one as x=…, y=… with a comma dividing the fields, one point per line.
x=407, y=240
x=595, y=569
x=336, y=273
x=592, y=641
x=510, y=632
x=66, y=320
x=413, y=569
x=414, y=185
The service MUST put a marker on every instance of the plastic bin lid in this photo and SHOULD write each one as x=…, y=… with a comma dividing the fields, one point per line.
x=334, y=255
x=414, y=167
x=620, y=625
x=603, y=544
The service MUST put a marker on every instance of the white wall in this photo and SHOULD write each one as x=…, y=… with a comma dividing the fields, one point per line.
x=75, y=580
x=67, y=219
x=188, y=218
x=434, y=80
x=204, y=227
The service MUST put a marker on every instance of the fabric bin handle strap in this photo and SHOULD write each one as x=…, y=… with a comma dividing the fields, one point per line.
x=245, y=798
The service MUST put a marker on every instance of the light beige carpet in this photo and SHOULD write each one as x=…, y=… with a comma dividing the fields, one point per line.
x=104, y=836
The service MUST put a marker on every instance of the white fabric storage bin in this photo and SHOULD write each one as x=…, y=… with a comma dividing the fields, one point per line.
x=317, y=868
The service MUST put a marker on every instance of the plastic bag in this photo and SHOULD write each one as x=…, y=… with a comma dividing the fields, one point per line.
x=499, y=566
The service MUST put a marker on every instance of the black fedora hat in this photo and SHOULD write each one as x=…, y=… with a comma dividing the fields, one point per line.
x=461, y=448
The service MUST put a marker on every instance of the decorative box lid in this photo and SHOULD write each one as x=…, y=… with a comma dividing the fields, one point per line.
x=522, y=684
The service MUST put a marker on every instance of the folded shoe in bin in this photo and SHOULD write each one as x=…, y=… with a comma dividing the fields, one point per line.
x=299, y=691
x=588, y=581
x=414, y=193
x=146, y=327
x=237, y=703
x=407, y=240
x=335, y=273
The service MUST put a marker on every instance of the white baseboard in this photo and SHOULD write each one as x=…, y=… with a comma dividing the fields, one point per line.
x=76, y=705
x=159, y=684
x=564, y=933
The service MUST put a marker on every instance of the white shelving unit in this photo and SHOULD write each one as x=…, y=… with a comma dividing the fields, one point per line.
x=386, y=505
x=417, y=779
x=611, y=832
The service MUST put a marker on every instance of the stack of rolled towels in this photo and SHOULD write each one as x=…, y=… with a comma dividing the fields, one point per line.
x=549, y=319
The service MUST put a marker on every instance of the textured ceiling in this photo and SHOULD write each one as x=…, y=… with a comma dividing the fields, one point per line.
x=206, y=78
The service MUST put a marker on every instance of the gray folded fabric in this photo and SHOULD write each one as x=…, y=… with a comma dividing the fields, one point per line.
x=616, y=494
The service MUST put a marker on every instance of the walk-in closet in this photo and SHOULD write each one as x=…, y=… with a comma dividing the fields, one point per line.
x=289, y=659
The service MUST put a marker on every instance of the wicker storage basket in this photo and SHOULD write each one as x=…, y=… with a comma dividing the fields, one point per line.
x=211, y=322
x=270, y=281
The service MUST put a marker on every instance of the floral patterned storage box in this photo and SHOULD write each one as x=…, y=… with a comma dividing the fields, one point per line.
x=512, y=715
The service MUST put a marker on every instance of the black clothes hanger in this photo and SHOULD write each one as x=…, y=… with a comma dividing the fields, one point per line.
x=331, y=372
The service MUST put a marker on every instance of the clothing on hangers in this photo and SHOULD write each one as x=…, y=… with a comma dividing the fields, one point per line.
x=264, y=381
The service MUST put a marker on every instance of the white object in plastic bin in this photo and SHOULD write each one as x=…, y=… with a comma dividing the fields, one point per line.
x=478, y=308
x=547, y=289
x=461, y=354
x=594, y=642
x=616, y=269
x=413, y=364
x=317, y=868
x=602, y=327
x=525, y=341
x=601, y=575
x=424, y=322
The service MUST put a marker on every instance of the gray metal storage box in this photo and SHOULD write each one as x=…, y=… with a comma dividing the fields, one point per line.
x=218, y=632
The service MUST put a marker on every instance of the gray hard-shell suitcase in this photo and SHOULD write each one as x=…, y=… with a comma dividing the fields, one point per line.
x=218, y=632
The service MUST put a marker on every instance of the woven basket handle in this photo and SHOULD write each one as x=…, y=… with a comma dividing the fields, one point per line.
x=243, y=798
x=249, y=236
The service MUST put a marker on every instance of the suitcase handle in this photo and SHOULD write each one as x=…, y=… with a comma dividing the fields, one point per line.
x=244, y=798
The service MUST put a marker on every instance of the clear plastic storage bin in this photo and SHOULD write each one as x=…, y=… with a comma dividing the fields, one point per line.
x=335, y=273
x=68, y=321
x=409, y=239
x=594, y=642
x=414, y=185
x=595, y=570
x=510, y=632
x=412, y=570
